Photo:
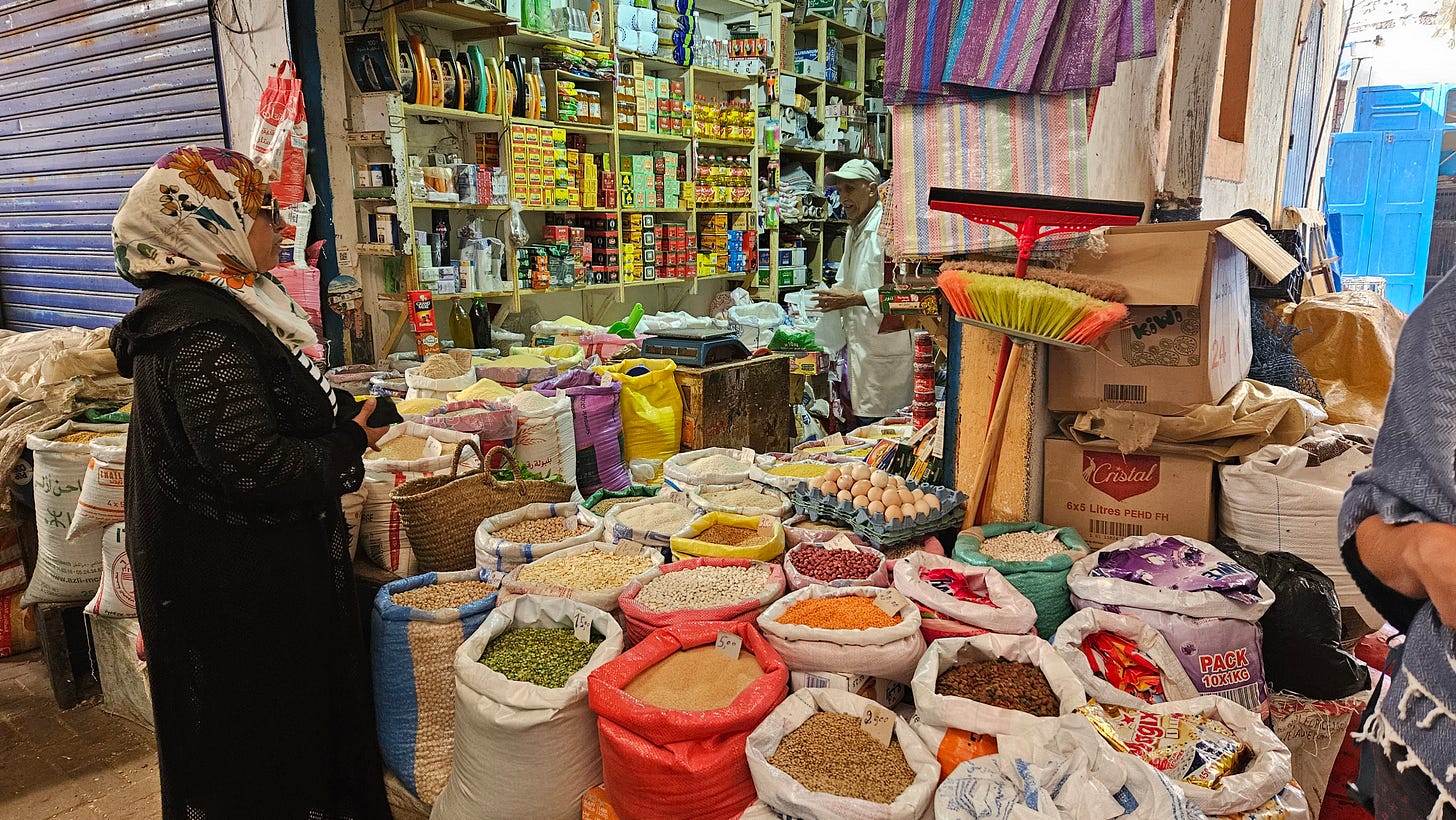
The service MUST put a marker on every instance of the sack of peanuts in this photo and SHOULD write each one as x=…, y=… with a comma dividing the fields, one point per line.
x=727, y=535
x=698, y=590
x=674, y=714
x=594, y=574
x=833, y=629
x=1034, y=557
x=958, y=600
x=406, y=452
x=528, y=742
x=969, y=690
x=835, y=563
x=103, y=489
x=653, y=520
x=1121, y=660
x=417, y=624
x=790, y=756
x=116, y=594
x=506, y=541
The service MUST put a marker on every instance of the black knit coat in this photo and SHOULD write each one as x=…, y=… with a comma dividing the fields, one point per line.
x=235, y=464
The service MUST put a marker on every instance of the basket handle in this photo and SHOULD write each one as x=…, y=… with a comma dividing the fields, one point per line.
x=510, y=458
x=468, y=443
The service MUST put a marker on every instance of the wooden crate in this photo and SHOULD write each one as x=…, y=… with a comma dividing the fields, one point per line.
x=125, y=690
x=737, y=404
x=70, y=659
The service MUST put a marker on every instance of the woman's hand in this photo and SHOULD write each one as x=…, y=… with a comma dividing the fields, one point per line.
x=1416, y=560
x=374, y=434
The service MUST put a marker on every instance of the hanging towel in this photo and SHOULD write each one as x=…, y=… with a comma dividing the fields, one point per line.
x=999, y=43
x=1081, y=50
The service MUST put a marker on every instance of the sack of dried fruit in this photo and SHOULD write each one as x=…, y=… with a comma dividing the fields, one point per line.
x=969, y=690
x=417, y=624
x=830, y=629
x=837, y=564
x=958, y=600
x=1121, y=660
x=810, y=758
x=699, y=590
x=506, y=541
x=1034, y=557
x=726, y=535
x=594, y=574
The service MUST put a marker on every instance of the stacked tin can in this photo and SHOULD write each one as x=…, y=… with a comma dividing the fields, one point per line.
x=922, y=405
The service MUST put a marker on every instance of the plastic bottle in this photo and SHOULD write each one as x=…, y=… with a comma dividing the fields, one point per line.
x=832, y=51
x=480, y=322
x=538, y=108
x=460, y=332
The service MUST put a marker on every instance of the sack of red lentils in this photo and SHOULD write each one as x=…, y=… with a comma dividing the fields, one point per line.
x=958, y=600
x=834, y=629
x=697, y=590
x=674, y=716
x=594, y=574
x=839, y=564
x=506, y=541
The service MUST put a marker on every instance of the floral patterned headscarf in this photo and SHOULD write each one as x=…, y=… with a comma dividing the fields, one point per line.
x=189, y=215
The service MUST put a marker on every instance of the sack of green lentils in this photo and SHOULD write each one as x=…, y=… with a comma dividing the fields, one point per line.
x=511, y=539
x=1034, y=557
x=698, y=590
x=1023, y=682
x=790, y=756
x=527, y=740
x=744, y=498
x=417, y=624
x=594, y=574
x=728, y=535
x=842, y=629
x=960, y=600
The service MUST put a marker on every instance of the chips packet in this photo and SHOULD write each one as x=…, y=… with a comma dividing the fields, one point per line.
x=1190, y=748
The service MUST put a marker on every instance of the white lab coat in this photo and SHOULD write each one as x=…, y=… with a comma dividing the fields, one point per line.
x=881, y=371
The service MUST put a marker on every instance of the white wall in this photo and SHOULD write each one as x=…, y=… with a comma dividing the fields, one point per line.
x=249, y=59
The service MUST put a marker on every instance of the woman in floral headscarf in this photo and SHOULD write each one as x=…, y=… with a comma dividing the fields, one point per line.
x=238, y=452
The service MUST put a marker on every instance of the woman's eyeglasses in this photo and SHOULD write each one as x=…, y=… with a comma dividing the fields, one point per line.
x=272, y=211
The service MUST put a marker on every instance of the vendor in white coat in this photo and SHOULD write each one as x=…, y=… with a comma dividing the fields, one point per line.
x=879, y=349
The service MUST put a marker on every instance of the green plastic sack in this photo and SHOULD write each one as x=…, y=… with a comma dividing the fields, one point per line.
x=634, y=491
x=652, y=409
x=1044, y=582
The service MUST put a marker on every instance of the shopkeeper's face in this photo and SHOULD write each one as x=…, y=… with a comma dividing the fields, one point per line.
x=858, y=198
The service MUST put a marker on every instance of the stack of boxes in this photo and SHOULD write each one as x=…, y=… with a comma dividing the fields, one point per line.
x=546, y=173
x=726, y=243
x=589, y=242
x=653, y=180
x=793, y=267
x=657, y=250
x=844, y=127
x=652, y=105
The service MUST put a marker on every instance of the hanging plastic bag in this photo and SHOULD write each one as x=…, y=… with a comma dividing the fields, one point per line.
x=280, y=136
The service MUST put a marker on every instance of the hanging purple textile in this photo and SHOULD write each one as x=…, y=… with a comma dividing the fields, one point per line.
x=1139, y=35
x=918, y=37
x=1000, y=43
x=1081, y=51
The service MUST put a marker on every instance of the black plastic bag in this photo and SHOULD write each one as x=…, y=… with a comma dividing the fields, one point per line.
x=1302, y=629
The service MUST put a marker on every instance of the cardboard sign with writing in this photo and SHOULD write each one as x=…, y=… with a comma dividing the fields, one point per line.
x=878, y=722
x=890, y=601
x=581, y=626
x=729, y=644
x=841, y=542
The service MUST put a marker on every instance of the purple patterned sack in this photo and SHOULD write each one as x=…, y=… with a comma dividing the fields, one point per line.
x=596, y=413
x=1173, y=564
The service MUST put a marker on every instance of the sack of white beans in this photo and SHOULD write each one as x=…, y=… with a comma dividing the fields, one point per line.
x=594, y=574
x=699, y=589
x=506, y=541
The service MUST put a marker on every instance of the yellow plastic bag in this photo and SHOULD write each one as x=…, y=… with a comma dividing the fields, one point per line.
x=688, y=546
x=564, y=356
x=651, y=408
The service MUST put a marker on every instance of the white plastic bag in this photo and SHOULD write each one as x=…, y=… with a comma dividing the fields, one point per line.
x=1012, y=614
x=103, y=490
x=353, y=506
x=497, y=553
x=755, y=323
x=1068, y=643
x=884, y=652
x=545, y=434
x=1195, y=604
x=789, y=797
x=116, y=594
x=603, y=599
x=523, y=750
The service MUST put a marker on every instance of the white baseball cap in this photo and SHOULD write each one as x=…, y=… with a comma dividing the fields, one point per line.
x=861, y=169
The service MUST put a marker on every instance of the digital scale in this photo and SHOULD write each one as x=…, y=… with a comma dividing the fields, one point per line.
x=695, y=347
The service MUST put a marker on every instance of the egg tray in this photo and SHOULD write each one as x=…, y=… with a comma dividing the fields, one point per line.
x=874, y=528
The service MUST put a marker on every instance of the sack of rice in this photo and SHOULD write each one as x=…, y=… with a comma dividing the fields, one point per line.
x=545, y=434
x=103, y=489
x=699, y=590
x=527, y=739
x=407, y=451
x=1121, y=660
x=65, y=570
x=652, y=521
x=594, y=574
x=958, y=600
x=506, y=541
x=746, y=498
x=1034, y=557
x=726, y=535
x=846, y=629
x=438, y=377
x=712, y=465
x=116, y=593
x=836, y=564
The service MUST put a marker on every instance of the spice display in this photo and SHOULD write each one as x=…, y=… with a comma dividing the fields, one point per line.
x=832, y=565
x=1191, y=748
x=660, y=516
x=440, y=366
x=829, y=753
x=1121, y=663
x=81, y=437
x=716, y=463
x=731, y=536
x=591, y=570
x=749, y=499
x=1000, y=683
x=443, y=596
x=401, y=448
x=845, y=612
x=969, y=588
x=703, y=588
x=695, y=680
x=878, y=492
x=541, y=530
x=801, y=469
x=538, y=655
x=1024, y=545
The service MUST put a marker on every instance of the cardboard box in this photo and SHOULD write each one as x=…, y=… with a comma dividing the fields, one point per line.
x=1188, y=301
x=1107, y=496
x=887, y=693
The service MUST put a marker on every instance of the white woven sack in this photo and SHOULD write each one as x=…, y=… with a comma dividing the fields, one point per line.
x=352, y=505
x=382, y=535
x=523, y=750
x=680, y=475
x=499, y=554
x=616, y=530
x=103, y=490
x=774, y=503
x=1201, y=604
x=116, y=593
x=423, y=387
x=1012, y=615
x=885, y=652
x=789, y=797
x=1068, y=643
x=603, y=599
x=545, y=437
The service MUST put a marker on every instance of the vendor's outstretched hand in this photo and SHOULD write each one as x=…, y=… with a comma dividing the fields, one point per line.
x=838, y=299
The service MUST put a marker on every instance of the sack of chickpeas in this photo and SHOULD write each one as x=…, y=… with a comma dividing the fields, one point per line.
x=697, y=590
x=1034, y=557
x=958, y=600
x=833, y=629
x=594, y=574
x=511, y=539
x=417, y=624
x=969, y=690
x=811, y=759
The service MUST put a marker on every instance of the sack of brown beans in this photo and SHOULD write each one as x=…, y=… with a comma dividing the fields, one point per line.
x=811, y=759
x=833, y=629
x=527, y=738
x=417, y=625
x=835, y=564
x=727, y=535
x=1122, y=660
x=969, y=690
x=674, y=715
x=506, y=541
x=959, y=600
x=697, y=590
x=594, y=574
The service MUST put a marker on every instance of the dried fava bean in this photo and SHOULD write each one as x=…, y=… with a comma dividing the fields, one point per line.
x=694, y=680
x=703, y=587
x=539, y=531
x=591, y=570
x=1001, y=683
x=832, y=565
x=1021, y=546
x=846, y=612
x=730, y=536
x=448, y=595
x=829, y=753
x=538, y=655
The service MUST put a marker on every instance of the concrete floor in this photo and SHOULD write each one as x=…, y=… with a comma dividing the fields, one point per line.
x=81, y=763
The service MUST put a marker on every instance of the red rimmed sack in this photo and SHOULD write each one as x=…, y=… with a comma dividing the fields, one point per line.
x=880, y=577
x=641, y=621
x=942, y=615
x=664, y=763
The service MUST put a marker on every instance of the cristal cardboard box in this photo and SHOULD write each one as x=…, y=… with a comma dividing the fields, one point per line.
x=1107, y=496
x=1188, y=341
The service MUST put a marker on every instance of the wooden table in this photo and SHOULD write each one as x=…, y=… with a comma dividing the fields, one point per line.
x=737, y=404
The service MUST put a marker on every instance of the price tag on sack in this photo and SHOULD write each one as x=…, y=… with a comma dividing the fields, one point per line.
x=581, y=625
x=746, y=455
x=729, y=644
x=890, y=601
x=835, y=441
x=628, y=549
x=879, y=723
x=841, y=542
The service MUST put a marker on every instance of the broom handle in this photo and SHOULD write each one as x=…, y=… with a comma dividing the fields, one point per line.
x=994, y=432
x=1025, y=241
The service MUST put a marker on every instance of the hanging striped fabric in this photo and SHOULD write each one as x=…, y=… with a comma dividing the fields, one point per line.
x=1001, y=43
x=1139, y=35
x=918, y=41
x=1081, y=50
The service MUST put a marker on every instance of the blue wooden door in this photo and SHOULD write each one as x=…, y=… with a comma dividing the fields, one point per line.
x=1405, y=201
x=1349, y=197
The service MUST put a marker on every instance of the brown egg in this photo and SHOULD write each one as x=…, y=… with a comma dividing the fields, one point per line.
x=875, y=493
x=891, y=497
x=921, y=508
x=876, y=508
x=880, y=478
x=845, y=495
x=845, y=481
x=917, y=494
x=893, y=514
x=932, y=502
x=861, y=488
x=860, y=472
x=861, y=501
x=832, y=475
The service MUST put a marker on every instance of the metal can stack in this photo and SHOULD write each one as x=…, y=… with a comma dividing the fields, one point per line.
x=922, y=404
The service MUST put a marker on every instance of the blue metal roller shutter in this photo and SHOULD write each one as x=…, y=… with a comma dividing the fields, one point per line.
x=91, y=93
